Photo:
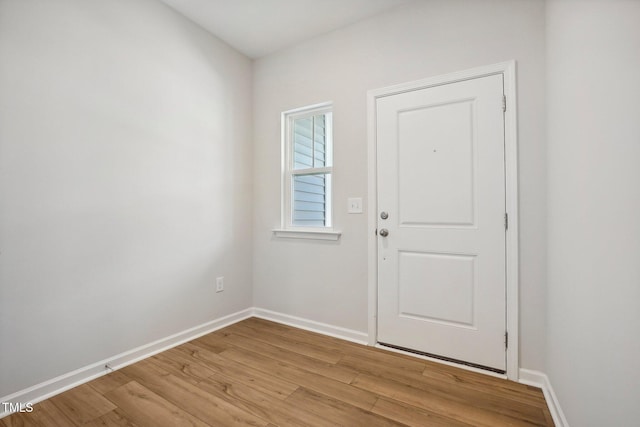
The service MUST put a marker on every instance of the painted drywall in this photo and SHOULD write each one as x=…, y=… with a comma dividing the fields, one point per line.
x=125, y=180
x=594, y=204
x=327, y=281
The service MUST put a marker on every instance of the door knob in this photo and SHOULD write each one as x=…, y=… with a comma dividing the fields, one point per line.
x=384, y=232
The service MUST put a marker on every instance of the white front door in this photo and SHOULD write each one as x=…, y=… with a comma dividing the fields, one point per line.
x=441, y=248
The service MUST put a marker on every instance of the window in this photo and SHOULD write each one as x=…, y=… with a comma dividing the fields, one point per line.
x=307, y=168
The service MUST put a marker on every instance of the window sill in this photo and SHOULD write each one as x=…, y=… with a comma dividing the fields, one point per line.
x=307, y=234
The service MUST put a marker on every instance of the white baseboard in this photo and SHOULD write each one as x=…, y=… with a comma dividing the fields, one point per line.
x=80, y=376
x=540, y=380
x=313, y=326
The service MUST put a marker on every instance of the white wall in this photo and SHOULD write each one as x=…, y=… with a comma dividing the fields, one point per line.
x=126, y=178
x=125, y=181
x=593, y=330
x=422, y=39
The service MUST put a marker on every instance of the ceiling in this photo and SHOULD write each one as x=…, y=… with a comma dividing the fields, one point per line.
x=259, y=27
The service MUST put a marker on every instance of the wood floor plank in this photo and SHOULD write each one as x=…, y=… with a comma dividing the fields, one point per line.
x=211, y=343
x=413, y=416
x=82, y=404
x=44, y=414
x=498, y=387
x=146, y=408
x=353, y=395
x=337, y=412
x=459, y=376
x=179, y=364
x=328, y=370
x=247, y=375
x=208, y=408
x=114, y=418
x=387, y=369
x=406, y=362
x=359, y=351
x=433, y=402
x=500, y=403
x=275, y=410
x=287, y=342
x=109, y=382
x=387, y=358
x=339, y=345
x=325, y=341
x=21, y=420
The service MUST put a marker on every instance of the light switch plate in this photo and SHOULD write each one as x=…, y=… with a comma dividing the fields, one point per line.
x=354, y=205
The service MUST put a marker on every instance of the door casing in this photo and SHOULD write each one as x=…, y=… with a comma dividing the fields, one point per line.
x=508, y=70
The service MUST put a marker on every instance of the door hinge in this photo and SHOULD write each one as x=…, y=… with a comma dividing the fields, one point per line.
x=504, y=103
x=506, y=340
x=506, y=221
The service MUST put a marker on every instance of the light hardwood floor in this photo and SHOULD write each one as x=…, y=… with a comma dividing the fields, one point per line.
x=261, y=373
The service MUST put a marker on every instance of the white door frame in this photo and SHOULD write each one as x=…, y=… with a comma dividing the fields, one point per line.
x=508, y=69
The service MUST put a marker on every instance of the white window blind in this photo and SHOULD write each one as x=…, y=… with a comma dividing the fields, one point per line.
x=310, y=190
x=307, y=178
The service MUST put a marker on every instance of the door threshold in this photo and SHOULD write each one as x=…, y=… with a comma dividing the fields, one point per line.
x=445, y=359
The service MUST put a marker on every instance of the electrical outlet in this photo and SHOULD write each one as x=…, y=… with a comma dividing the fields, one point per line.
x=219, y=284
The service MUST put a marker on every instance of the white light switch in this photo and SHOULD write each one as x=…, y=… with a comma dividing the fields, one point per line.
x=355, y=205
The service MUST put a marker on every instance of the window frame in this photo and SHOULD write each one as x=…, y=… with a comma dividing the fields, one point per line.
x=288, y=229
